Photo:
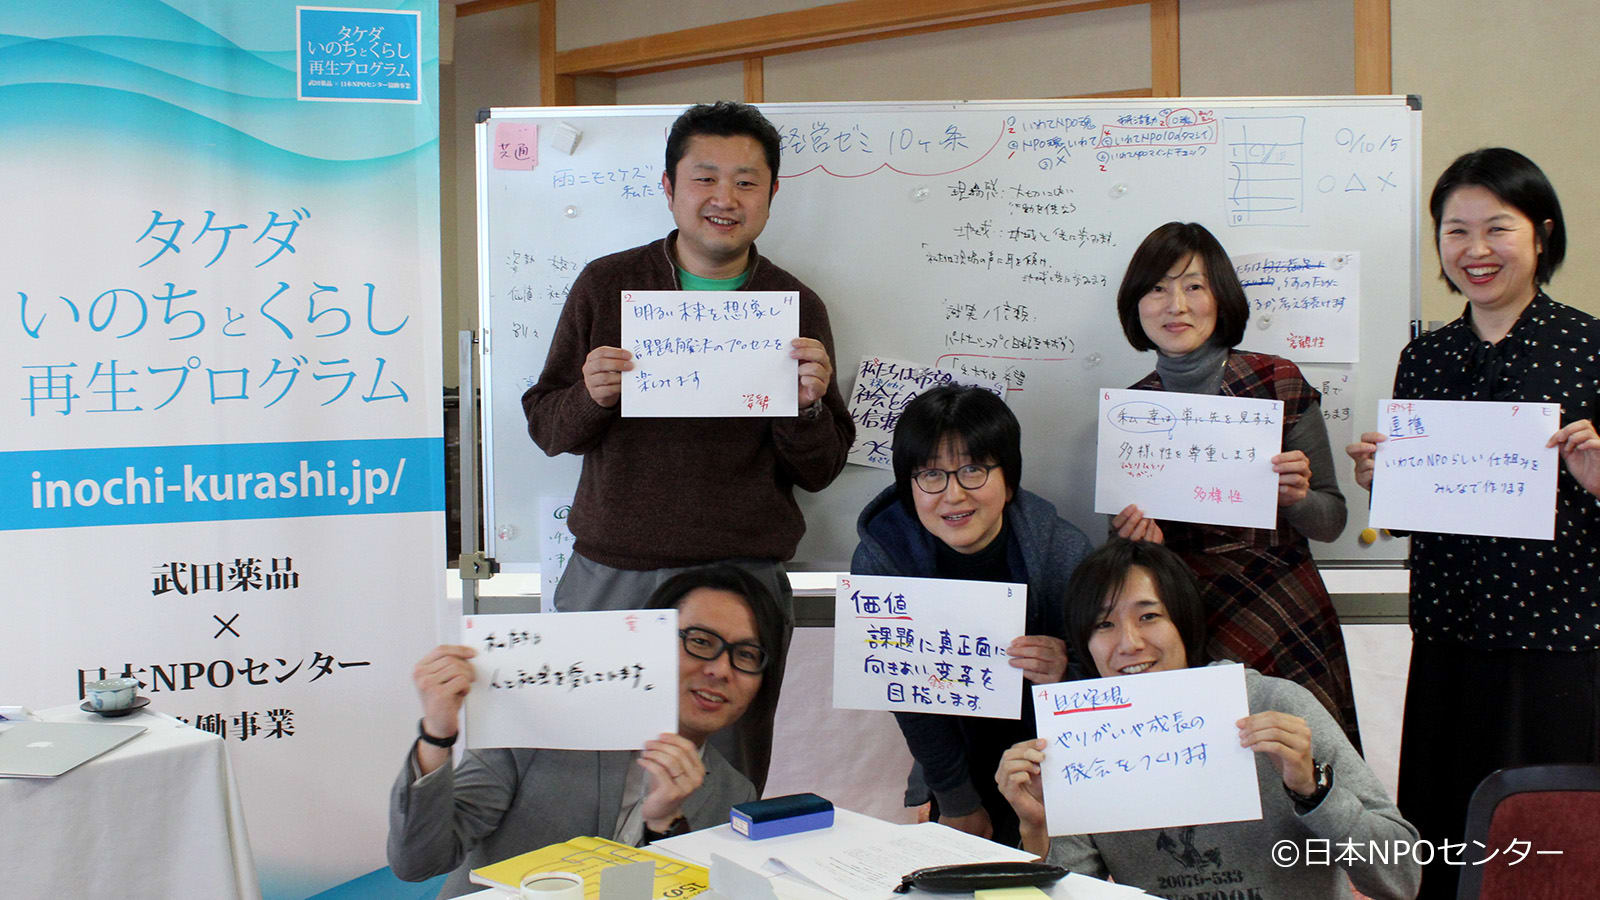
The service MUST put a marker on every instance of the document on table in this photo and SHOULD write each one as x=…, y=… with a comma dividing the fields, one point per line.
x=853, y=868
x=1189, y=457
x=710, y=353
x=572, y=681
x=1085, y=887
x=1466, y=467
x=858, y=857
x=1154, y=750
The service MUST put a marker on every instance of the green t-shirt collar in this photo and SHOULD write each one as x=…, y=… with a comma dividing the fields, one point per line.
x=693, y=282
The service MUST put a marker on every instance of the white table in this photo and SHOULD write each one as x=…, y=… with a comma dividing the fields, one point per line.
x=157, y=817
x=850, y=830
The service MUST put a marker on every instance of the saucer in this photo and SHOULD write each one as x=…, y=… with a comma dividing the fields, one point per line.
x=138, y=704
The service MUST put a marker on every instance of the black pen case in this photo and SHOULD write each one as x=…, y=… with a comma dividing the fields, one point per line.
x=981, y=876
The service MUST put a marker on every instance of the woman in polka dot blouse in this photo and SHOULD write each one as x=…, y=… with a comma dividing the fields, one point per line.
x=1505, y=660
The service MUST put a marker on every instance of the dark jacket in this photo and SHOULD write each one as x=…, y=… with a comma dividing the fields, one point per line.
x=1042, y=552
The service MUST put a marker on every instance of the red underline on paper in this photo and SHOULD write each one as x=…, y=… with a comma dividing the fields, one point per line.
x=1409, y=437
x=1062, y=712
x=906, y=618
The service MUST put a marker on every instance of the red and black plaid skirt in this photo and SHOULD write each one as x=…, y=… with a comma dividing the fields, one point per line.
x=1269, y=609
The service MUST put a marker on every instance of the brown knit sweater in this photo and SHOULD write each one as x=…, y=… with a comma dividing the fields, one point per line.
x=659, y=493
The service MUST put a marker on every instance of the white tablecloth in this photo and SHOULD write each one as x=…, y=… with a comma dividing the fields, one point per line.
x=157, y=817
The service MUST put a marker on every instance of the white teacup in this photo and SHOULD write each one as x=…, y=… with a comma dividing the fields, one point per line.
x=111, y=694
x=551, y=886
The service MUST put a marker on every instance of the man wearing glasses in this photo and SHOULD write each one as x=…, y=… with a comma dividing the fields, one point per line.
x=502, y=802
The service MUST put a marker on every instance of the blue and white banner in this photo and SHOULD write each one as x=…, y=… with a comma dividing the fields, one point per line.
x=222, y=466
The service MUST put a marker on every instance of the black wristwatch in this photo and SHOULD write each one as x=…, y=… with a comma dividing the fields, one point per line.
x=441, y=743
x=680, y=825
x=1322, y=775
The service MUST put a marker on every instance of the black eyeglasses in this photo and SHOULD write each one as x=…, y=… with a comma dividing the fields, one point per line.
x=703, y=643
x=970, y=476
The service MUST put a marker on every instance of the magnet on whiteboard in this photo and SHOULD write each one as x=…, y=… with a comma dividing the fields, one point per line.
x=564, y=138
x=1339, y=262
x=1264, y=321
x=506, y=532
x=1117, y=190
x=1092, y=360
x=570, y=212
x=1368, y=536
x=919, y=194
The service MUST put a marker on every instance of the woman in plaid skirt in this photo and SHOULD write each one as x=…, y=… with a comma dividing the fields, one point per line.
x=1268, y=607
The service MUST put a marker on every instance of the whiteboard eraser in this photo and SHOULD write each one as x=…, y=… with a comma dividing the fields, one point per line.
x=564, y=138
x=760, y=819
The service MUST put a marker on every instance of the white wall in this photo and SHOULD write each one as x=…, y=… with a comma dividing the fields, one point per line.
x=1242, y=48
x=1520, y=75
x=496, y=63
x=1055, y=56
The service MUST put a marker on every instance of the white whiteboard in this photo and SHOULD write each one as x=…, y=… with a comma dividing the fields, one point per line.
x=987, y=237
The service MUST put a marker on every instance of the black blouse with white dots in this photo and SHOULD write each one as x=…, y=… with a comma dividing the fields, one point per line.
x=1511, y=593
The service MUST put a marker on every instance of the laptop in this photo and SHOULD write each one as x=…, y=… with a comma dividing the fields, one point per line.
x=47, y=749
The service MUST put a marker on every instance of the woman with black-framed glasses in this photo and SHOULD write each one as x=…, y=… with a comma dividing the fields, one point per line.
x=956, y=510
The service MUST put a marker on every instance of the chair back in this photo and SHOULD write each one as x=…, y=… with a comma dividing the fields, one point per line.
x=1533, y=832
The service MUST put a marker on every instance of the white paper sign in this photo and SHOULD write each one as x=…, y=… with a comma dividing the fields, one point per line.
x=1189, y=457
x=710, y=353
x=1304, y=305
x=882, y=389
x=929, y=645
x=572, y=681
x=1154, y=750
x=1337, y=384
x=1466, y=467
x=555, y=546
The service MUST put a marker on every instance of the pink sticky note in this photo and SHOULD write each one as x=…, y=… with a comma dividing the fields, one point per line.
x=516, y=145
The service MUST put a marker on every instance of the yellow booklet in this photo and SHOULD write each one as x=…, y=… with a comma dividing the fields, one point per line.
x=585, y=857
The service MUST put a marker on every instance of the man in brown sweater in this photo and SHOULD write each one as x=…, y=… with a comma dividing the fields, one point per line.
x=658, y=495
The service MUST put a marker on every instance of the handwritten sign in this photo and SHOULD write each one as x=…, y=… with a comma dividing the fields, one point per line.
x=1304, y=305
x=555, y=546
x=572, y=681
x=883, y=388
x=1189, y=457
x=710, y=353
x=516, y=145
x=1466, y=467
x=1154, y=750
x=929, y=645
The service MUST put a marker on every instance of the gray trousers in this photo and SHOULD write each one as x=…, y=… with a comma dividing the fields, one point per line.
x=587, y=585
